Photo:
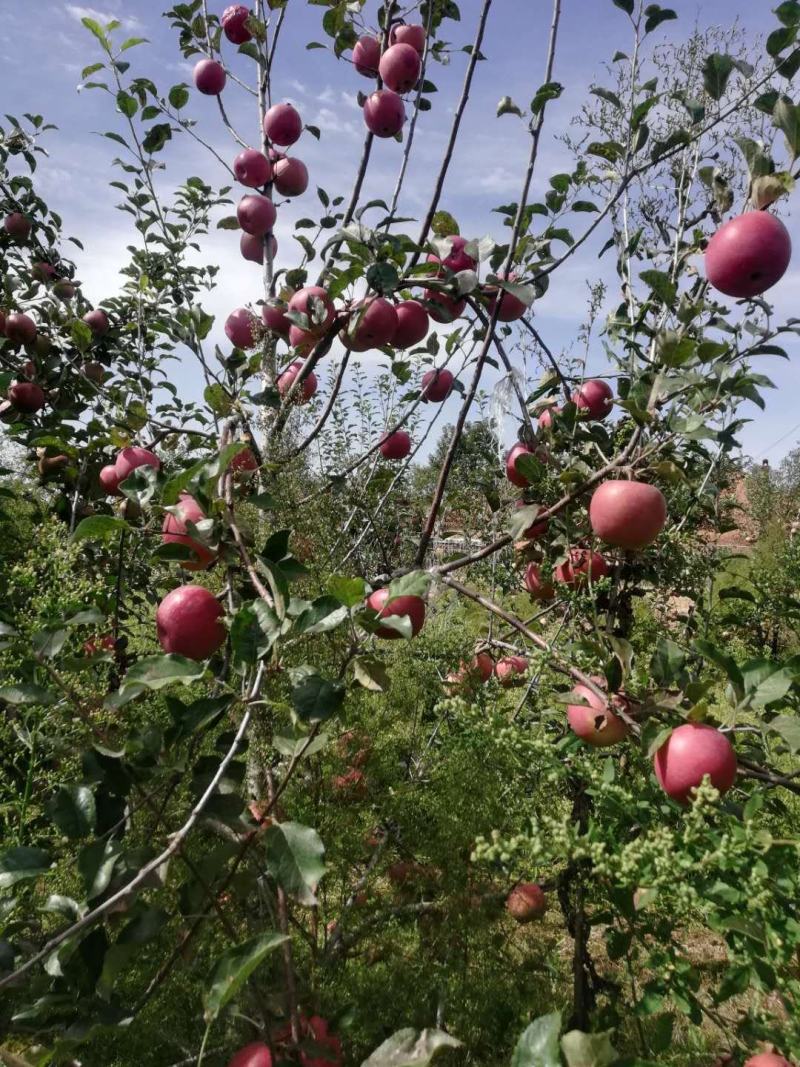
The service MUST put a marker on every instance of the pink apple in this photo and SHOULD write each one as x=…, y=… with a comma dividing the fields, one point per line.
x=411, y=606
x=21, y=329
x=593, y=720
x=241, y=328
x=627, y=514
x=252, y=168
x=384, y=113
x=545, y=417
x=510, y=307
x=27, y=397
x=444, y=308
x=97, y=321
x=373, y=324
x=526, y=902
x=17, y=226
x=174, y=531
x=129, y=459
x=109, y=480
x=302, y=341
x=396, y=445
x=437, y=385
x=510, y=669
x=255, y=1054
x=290, y=177
x=412, y=324
x=594, y=398
x=314, y=302
x=282, y=124
x=692, y=751
x=413, y=34
x=256, y=214
x=513, y=475
x=768, y=1059
x=187, y=621
x=209, y=77
x=252, y=248
x=538, y=588
x=366, y=56
x=273, y=315
x=581, y=567
x=287, y=379
x=400, y=68
x=748, y=255
x=234, y=23
x=457, y=258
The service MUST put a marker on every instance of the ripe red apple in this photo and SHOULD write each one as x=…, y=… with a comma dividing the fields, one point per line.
x=252, y=168
x=21, y=329
x=396, y=445
x=43, y=272
x=545, y=417
x=581, y=566
x=412, y=324
x=692, y=751
x=400, y=68
x=187, y=621
x=512, y=456
x=243, y=463
x=413, y=34
x=437, y=385
x=97, y=321
x=526, y=902
x=256, y=214
x=252, y=248
x=594, y=721
x=768, y=1059
x=109, y=479
x=372, y=324
x=64, y=289
x=282, y=124
x=480, y=667
x=384, y=113
x=27, y=397
x=132, y=457
x=241, y=328
x=174, y=531
x=411, y=606
x=456, y=259
x=538, y=588
x=627, y=514
x=366, y=56
x=234, y=25
x=306, y=390
x=314, y=302
x=444, y=308
x=594, y=398
x=209, y=77
x=315, y=1034
x=290, y=176
x=17, y=226
x=511, y=307
x=273, y=315
x=536, y=529
x=302, y=341
x=749, y=254
x=255, y=1054
x=510, y=669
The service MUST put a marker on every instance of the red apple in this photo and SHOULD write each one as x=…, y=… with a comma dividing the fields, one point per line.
x=581, y=566
x=324, y=1048
x=290, y=177
x=412, y=607
x=174, y=531
x=536, y=529
x=97, y=321
x=282, y=124
x=512, y=456
x=749, y=254
x=109, y=480
x=412, y=324
x=400, y=68
x=511, y=307
x=252, y=168
x=188, y=623
x=627, y=514
x=456, y=259
x=768, y=1059
x=241, y=328
x=17, y=226
x=243, y=463
x=545, y=417
x=510, y=669
x=692, y=751
x=437, y=385
x=366, y=56
x=234, y=25
x=273, y=315
x=43, y=272
x=314, y=302
x=594, y=721
x=252, y=248
x=373, y=323
x=209, y=77
x=302, y=341
x=538, y=588
x=444, y=308
x=480, y=667
x=594, y=398
x=130, y=458
x=306, y=390
x=412, y=34
x=384, y=113
x=396, y=445
x=27, y=397
x=526, y=902
x=21, y=329
x=256, y=214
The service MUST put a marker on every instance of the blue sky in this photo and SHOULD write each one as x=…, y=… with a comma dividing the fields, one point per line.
x=41, y=72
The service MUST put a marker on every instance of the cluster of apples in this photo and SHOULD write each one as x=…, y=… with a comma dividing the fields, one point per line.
x=319, y=1047
x=399, y=68
x=509, y=671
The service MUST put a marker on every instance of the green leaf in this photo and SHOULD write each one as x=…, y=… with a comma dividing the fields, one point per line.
x=370, y=673
x=132, y=42
x=72, y=809
x=48, y=643
x=127, y=104
x=156, y=137
x=624, y=5
x=607, y=95
x=348, y=591
x=506, y=106
x=410, y=1048
x=588, y=1050
x=294, y=856
x=99, y=528
x=323, y=614
x=19, y=864
x=788, y=726
x=548, y=91
x=233, y=969
x=27, y=694
x=727, y=663
x=218, y=399
x=96, y=864
x=772, y=689
x=786, y=117
x=154, y=672
x=254, y=630
x=717, y=70
x=655, y=15
x=315, y=699
x=661, y=284
x=538, y=1045
x=415, y=583
x=94, y=27
x=179, y=96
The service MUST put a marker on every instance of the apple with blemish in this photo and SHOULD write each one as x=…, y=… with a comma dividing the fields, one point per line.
x=526, y=902
x=595, y=720
x=233, y=21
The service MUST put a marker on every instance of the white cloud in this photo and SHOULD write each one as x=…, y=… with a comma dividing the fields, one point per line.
x=78, y=12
